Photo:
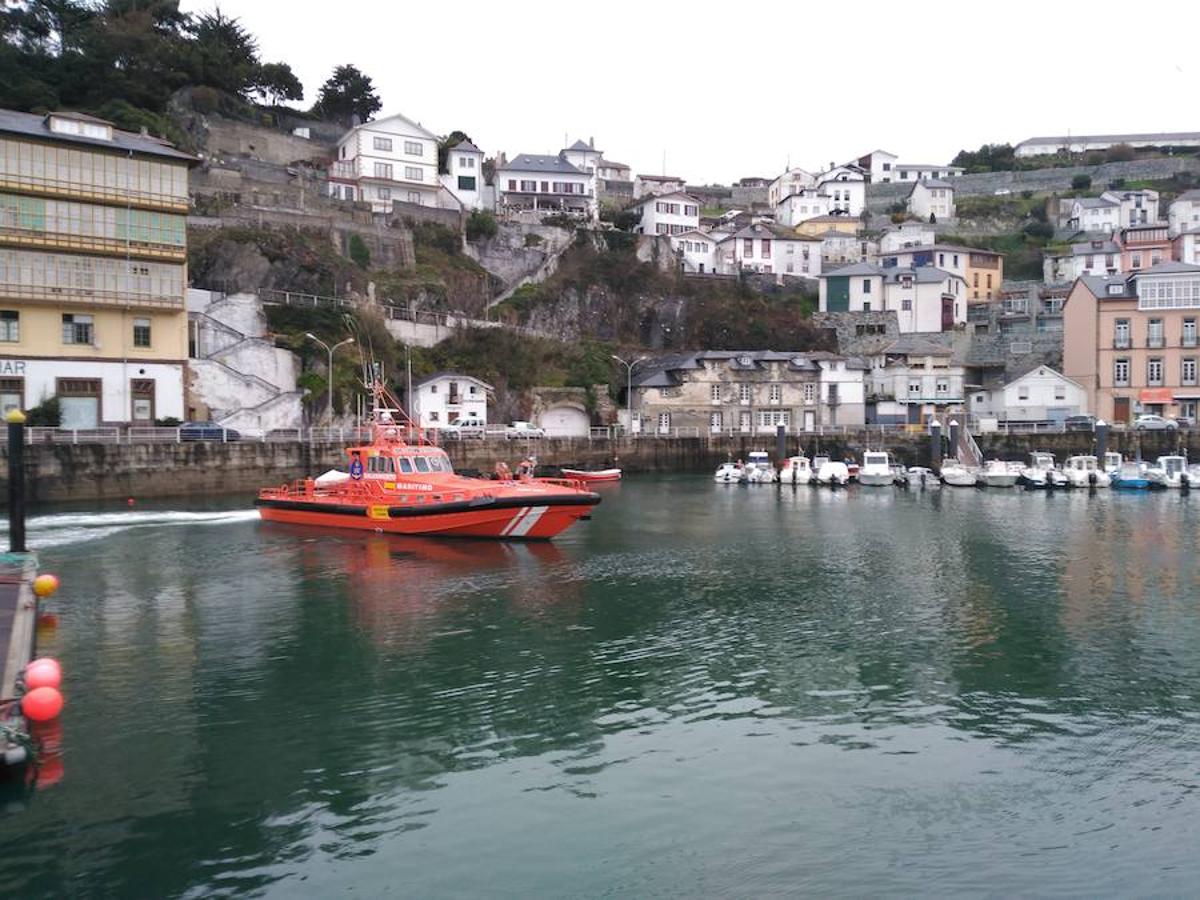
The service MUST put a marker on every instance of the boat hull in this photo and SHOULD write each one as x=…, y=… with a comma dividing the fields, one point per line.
x=517, y=519
x=998, y=479
x=876, y=479
x=592, y=477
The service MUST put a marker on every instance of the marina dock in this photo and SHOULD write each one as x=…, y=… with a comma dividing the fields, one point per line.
x=18, y=635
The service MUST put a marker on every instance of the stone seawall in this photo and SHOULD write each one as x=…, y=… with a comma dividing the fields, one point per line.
x=60, y=472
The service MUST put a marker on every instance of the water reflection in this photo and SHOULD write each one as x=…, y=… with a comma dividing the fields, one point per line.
x=760, y=673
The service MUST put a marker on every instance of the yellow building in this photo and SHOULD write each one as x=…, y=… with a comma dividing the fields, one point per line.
x=93, y=270
x=818, y=226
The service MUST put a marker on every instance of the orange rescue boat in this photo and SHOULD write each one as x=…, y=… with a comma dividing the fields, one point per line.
x=402, y=483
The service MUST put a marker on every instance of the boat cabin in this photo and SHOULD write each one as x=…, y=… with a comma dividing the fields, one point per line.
x=1173, y=466
x=1040, y=460
x=377, y=462
x=875, y=458
x=1112, y=461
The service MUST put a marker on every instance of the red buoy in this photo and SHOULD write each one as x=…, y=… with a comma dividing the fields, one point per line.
x=130, y=502
x=44, y=672
x=42, y=704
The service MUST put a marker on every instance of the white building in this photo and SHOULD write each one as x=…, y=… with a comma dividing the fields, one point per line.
x=926, y=299
x=805, y=203
x=913, y=380
x=387, y=159
x=1186, y=248
x=879, y=166
x=445, y=397
x=924, y=171
x=790, y=182
x=769, y=249
x=584, y=157
x=464, y=175
x=1039, y=395
x=907, y=234
x=846, y=188
x=932, y=198
x=613, y=171
x=1095, y=214
x=1081, y=143
x=672, y=213
x=656, y=184
x=1184, y=213
x=1097, y=257
x=547, y=183
x=697, y=251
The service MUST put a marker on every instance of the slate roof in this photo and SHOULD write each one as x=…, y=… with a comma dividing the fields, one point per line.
x=1095, y=202
x=935, y=183
x=1099, y=284
x=660, y=178
x=662, y=371
x=580, y=145
x=466, y=147
x=860, y=268
x=1193, y=195
x=1166, y=136
x=921, y=274
x=914, y=345
x=773, y=232
x=38, y=126
x=953, y=248
x=531, y=162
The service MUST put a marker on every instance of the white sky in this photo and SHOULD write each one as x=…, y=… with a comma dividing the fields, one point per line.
x=731, y=89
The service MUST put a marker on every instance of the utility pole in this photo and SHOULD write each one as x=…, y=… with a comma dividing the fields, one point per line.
x=629, y=388
x=330, y=351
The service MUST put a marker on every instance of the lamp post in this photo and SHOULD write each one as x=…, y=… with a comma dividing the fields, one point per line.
x=330, y=351
x=629, y=387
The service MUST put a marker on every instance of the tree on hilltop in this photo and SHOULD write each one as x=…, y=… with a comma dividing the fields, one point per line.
x=345, y=94
x=277, y=83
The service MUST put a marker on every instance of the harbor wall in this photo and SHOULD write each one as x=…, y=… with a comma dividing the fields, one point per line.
x=83, y=472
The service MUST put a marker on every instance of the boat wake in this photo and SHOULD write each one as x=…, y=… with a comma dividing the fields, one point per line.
x=58, y=529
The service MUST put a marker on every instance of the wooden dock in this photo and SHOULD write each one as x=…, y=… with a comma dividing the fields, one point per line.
x=18, y=631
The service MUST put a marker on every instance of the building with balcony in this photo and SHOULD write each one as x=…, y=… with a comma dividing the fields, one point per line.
x=1131, y=341
x=1144, y=246
x=546, y=183
x=93, y=270
x=443, y=398
x=384, y=160
x=748, y=392
x=911, y=381
x=669, y=214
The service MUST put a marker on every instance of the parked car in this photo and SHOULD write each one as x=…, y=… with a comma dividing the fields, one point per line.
x=523, y=430
x=465, y=428
x=207, y=431
x=1150, y=422
x=1186, y=421
x=1079, y=423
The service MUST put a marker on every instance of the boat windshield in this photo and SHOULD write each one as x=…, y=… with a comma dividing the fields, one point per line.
x=875, y=459
x=1173, y=465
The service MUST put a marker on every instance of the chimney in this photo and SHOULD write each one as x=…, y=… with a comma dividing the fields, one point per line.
x=592, y=143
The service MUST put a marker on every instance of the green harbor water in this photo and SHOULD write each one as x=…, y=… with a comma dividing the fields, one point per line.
x=706, y=690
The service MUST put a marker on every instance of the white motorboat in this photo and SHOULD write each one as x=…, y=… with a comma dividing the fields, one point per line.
x=730, y=473
x=957, y=475
x=1042, y=472
x=876, y=469
x=1169, y=472
x=796, y=470
x=1085, y=472
x=998, y=473
x=1113, y=462
x=832, y=472
x=920, y=477
x=759, y=469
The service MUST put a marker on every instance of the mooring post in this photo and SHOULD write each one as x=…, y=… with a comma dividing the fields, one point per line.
x=935, y=445
x=16, y=481
x=1101, y=441
x=781, y=443
x=954, y=430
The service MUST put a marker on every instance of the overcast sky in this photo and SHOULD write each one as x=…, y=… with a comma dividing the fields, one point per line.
x=730, y=89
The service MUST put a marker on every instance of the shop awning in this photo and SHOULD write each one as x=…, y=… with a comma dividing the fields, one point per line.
x=1190, y=394
x=1156, y=395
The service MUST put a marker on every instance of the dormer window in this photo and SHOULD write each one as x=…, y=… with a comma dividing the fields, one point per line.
x=100, y=131
x=1116, y=289
x=743, y=360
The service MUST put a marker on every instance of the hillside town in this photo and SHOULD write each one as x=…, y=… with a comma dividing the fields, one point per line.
x=104, y=320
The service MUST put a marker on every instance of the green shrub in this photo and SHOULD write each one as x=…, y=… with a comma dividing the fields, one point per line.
x=1081, y=182
x=1039, y=230
x=168, y=422
x=359, y=252
x=534, y=240
x=481, y=225
x=47, y=414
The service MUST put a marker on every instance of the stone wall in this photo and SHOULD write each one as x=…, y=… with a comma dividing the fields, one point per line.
x=881, y=196
x=59, y=472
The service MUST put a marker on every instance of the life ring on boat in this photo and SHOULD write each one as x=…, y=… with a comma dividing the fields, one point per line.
x=503, y=473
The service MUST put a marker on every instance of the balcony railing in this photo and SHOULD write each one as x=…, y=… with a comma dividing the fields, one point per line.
x=1121, y=342
x=1188, y=340
x=1156, y=341
x=75, y=190
x=48, y=240
x=89, y=296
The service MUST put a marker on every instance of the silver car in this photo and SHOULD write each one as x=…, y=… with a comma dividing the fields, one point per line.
x=1151, y=422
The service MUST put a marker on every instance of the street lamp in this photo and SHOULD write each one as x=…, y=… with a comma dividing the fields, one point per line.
x=330, y=351
x=629, y=387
